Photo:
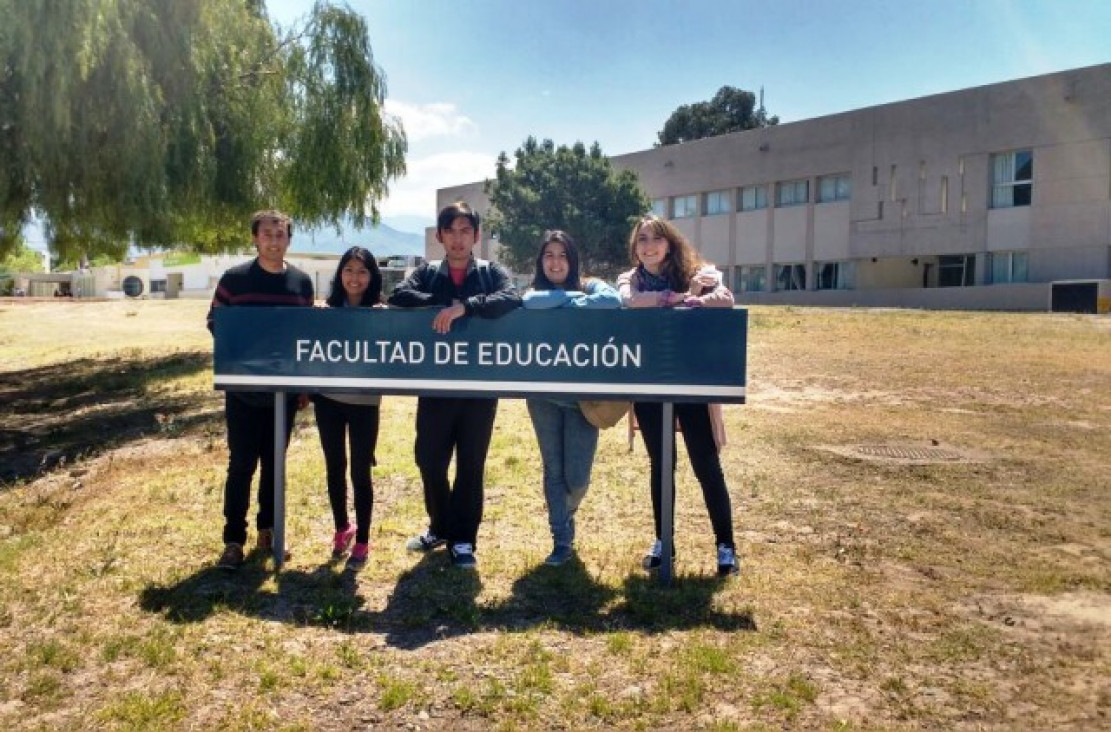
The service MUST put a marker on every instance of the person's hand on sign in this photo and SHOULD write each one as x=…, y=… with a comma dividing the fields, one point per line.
x=443, y=320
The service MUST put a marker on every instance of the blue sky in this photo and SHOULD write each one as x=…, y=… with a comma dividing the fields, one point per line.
x=472, y=78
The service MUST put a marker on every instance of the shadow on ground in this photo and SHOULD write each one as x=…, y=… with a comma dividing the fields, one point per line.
x=53, y=415
x=433, y=601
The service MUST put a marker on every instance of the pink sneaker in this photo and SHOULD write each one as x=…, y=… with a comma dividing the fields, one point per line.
x=341, y=542
x=358, y=556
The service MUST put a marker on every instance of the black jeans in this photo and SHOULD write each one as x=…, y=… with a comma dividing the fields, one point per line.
x=359, y=424
x=463, y=426
x=251, y=443
x=699, y=438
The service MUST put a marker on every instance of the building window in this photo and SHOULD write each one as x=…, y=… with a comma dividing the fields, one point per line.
x=956, y=270
x=753, y=198
x=834, y=188
x=717, y=202
x=790, y=277
x=659, y=207
x=685, y=207
x=792, y=193
x=158, y=286
x=833, y=275
x=751, y=279
x=1012, y=179
x=1007, y=267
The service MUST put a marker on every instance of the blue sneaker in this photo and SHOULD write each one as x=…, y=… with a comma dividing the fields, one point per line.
x=462, y=556
x=560, y=555
x=727, y=561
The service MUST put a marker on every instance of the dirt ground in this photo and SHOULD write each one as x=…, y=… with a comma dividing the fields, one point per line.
x=920, y=500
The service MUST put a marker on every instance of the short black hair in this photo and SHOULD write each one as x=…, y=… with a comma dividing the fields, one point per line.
x=258, y=216
x=457, y=210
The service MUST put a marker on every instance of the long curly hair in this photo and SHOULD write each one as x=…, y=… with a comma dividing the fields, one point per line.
x=682, y=261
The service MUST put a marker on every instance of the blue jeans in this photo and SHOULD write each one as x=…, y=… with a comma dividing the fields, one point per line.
x=567, y=445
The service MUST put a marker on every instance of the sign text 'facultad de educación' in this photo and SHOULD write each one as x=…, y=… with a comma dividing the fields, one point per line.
x=652, y=354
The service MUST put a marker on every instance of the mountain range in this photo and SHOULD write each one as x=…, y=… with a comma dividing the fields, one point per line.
x=405, y=236
x=382, y=240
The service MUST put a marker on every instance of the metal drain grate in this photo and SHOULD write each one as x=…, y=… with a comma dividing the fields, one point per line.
x=907, y=453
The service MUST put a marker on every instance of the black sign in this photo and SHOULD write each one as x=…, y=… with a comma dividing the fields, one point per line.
x=652, y=354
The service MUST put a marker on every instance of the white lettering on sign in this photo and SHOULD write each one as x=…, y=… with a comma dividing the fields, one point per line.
x=583, y=355
x=488, y=353
x=336, y=351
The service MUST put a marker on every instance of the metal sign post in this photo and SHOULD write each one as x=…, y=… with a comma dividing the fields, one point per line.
x=279, y=478
x=667, y=492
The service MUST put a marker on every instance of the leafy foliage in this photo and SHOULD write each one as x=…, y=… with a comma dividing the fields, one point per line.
x=731, y=110
x=166, y=124
x=22, y=259
x=569, y=188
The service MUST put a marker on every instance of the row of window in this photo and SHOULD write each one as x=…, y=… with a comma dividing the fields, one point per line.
x=952, y=271
x=1012, y=184
x=752, y=198
x=828, y=276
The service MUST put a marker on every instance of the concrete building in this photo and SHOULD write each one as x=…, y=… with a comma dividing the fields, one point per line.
x=979, y=199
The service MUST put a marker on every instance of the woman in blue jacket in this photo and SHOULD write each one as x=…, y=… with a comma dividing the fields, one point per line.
x=567, y=441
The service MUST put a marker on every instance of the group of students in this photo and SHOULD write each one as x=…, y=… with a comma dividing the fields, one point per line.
x=667, y=272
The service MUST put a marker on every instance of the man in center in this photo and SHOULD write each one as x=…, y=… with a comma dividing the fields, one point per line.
x=461, y=286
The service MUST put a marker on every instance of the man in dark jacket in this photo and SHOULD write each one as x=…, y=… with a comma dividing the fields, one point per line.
x=461, y=286
x=266, y=281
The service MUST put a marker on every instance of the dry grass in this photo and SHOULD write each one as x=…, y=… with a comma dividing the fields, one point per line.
x=970, y=592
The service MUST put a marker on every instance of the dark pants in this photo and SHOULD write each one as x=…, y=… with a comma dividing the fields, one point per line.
x=358, y=423
x=699, y=437
x=462, y=426
x=251, y=442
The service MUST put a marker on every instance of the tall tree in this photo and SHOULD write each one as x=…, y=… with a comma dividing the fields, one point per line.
x=567, y=188
x=731, y=110
x=166, y=123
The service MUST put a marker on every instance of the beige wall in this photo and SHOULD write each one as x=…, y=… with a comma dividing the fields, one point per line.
x=921, y=181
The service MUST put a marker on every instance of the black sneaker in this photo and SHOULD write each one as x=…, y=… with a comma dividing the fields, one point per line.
x=462, y=556
x=426, y=542
x=727, y=561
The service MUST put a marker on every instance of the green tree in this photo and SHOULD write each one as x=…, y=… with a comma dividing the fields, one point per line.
x=569, y=188
x=731, y=110
x=166, y=123
x=22, y=259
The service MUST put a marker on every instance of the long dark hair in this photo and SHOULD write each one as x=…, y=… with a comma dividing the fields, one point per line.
x=540, y=280
x=337, y=298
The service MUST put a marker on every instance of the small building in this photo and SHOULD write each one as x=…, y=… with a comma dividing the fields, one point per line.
x=171, y=275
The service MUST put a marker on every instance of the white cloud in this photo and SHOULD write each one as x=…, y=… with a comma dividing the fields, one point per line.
x=424, y=121
x=415, y=194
